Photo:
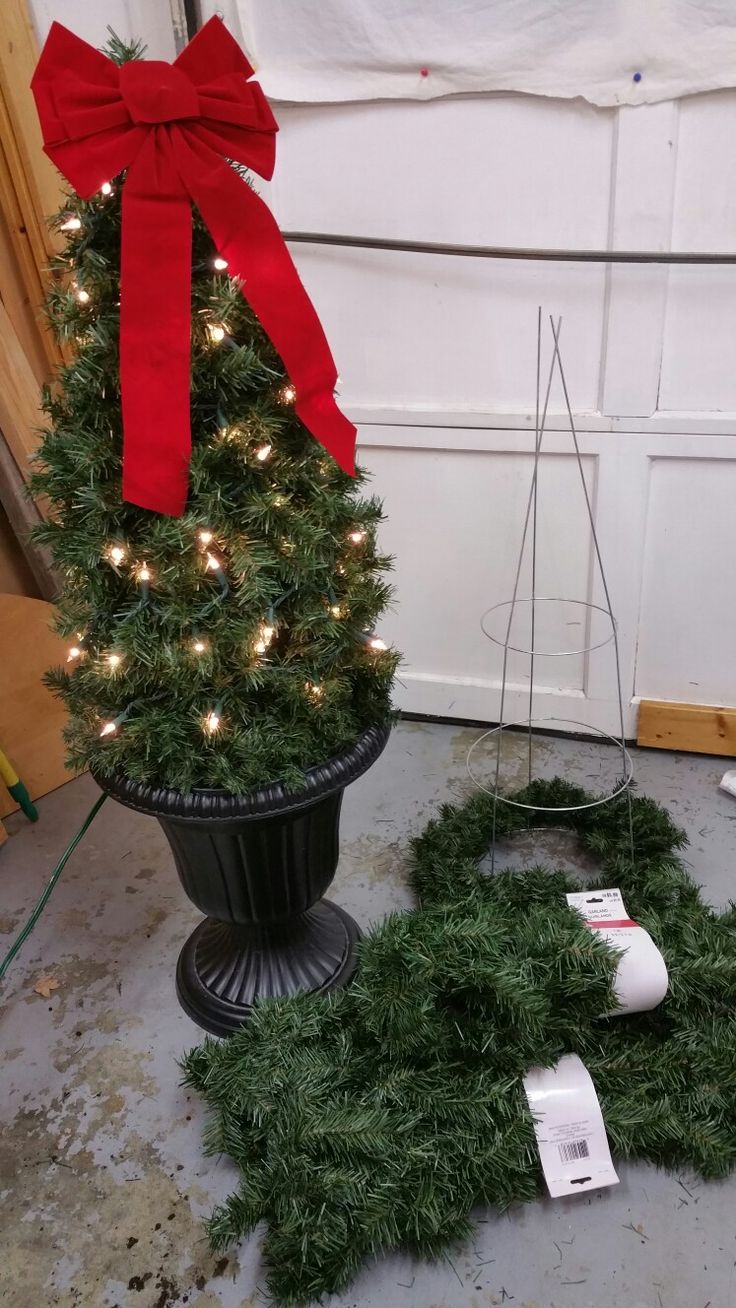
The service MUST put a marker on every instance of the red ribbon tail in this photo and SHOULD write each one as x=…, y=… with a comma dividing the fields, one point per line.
x=328, y=424
x=246, y=234
x=155, y=333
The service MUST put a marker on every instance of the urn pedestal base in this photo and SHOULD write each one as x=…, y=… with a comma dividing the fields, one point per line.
x=224, y=968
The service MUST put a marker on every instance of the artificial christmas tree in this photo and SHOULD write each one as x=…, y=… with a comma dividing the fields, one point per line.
x=224, y=671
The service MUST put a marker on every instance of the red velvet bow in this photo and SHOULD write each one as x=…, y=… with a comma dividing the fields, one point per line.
x=173, y=126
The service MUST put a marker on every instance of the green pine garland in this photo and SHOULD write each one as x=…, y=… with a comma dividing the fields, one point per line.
x=378, y=1117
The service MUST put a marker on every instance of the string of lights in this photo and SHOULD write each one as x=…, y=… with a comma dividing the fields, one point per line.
x=109, y=650
x=118, y=553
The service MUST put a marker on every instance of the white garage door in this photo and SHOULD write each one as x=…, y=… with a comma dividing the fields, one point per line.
x=437, y=361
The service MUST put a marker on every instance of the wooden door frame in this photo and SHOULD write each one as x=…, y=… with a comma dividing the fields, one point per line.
x=30, y=190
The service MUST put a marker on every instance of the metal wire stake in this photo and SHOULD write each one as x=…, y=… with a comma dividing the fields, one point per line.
x=568, y=406
x=511, y=610
x=534, y=535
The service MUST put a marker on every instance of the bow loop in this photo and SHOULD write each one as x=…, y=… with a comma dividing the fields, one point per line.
x=83, y=109
x=174, y=127
x=231, y=100
x=157, y=92
x=213, y=53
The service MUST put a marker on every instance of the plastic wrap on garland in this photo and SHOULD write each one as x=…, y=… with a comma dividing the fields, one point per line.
x=378, y=1117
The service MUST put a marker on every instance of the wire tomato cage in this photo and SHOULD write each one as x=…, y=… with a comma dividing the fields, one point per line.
x=497, y=624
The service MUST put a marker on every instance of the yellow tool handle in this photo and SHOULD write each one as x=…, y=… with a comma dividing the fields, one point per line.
x=8, y=774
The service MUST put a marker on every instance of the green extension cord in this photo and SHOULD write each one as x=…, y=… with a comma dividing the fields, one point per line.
x=23, y=935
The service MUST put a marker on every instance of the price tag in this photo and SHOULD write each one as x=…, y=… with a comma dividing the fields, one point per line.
x=573, y=1147
x=641, y=977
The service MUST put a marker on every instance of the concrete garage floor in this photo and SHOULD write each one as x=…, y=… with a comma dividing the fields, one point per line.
x=103, y=1184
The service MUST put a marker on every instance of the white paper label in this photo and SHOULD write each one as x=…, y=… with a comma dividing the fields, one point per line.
x=641, y=977
x=573, y=1147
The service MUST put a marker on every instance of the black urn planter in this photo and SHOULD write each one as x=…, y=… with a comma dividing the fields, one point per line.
x=258, y=865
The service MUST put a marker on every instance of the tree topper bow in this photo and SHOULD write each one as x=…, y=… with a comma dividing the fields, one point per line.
x=173, y=127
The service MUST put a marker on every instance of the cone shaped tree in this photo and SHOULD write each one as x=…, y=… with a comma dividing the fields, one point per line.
x=235, y=645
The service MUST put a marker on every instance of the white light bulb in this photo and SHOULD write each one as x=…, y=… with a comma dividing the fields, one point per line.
x=116, y=554
x=212, y=722
x=106, y=188
x=114, y=660
x=219, y=263
x=267, y=633
x=74, y=653
x=82, y=296
x=377, y=644
x=314, y=690
x=335, y=610
x=204, y=536
x=144, y=572
x=72, y=224
x=199, y=646
x=263, y=453
x=217, y=332
x=109, y=729
x=357, y=537
x=212, y=563
x=278, y=501
x=288, y=395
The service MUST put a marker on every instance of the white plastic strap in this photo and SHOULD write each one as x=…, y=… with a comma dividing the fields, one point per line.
x=641, y=977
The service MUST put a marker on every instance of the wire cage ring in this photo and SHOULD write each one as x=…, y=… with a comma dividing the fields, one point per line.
x=545, y=599
x=530, y=724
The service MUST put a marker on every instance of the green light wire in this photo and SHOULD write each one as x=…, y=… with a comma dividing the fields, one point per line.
x=23, y=935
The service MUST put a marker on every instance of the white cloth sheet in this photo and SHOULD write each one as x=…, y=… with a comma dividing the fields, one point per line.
x=610, y=52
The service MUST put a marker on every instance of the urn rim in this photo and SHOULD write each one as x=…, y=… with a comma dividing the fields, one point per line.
x=271, y=800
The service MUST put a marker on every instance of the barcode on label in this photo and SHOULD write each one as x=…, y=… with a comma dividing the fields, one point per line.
x=572, y=1150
